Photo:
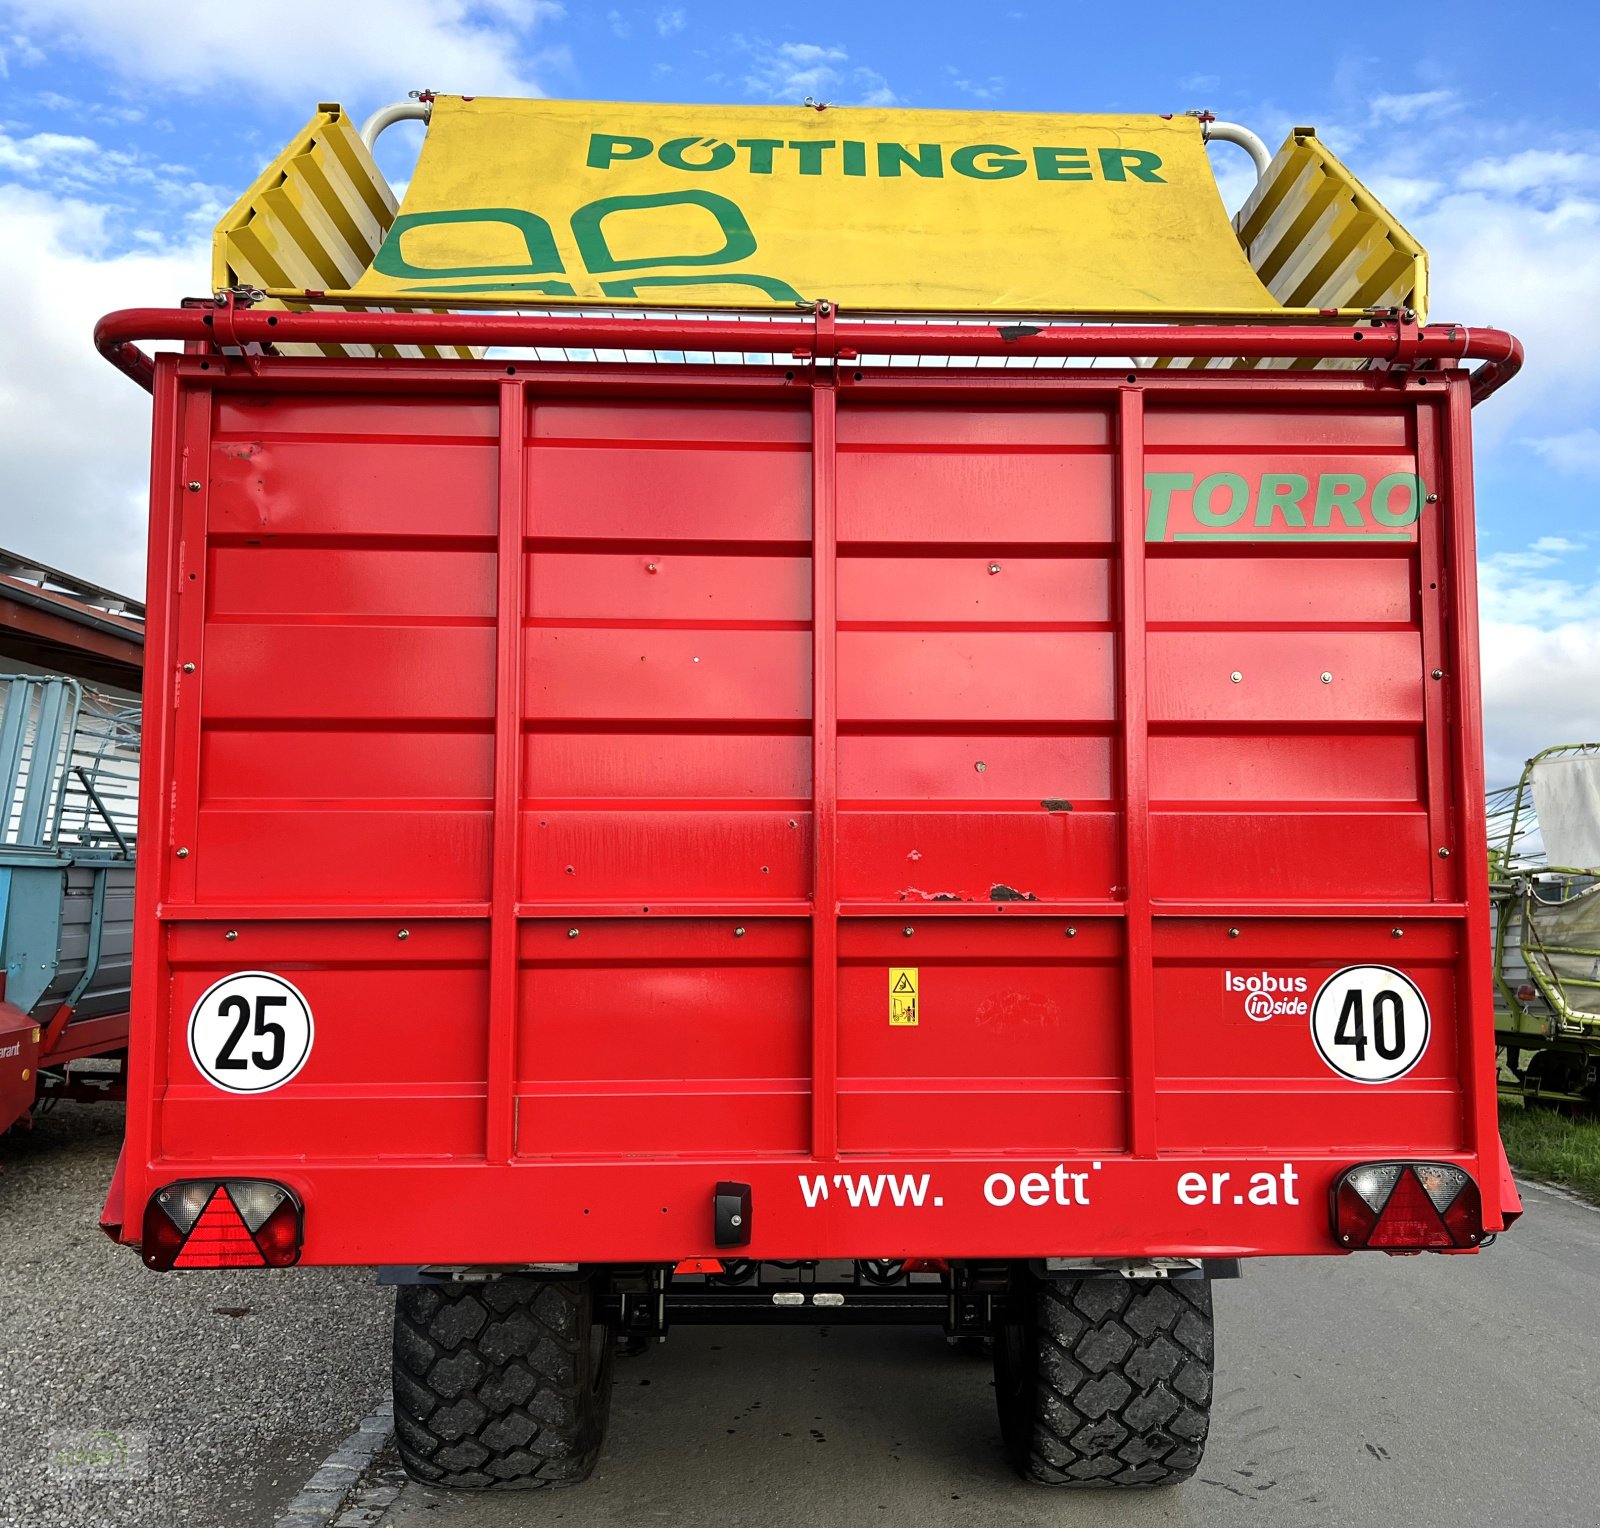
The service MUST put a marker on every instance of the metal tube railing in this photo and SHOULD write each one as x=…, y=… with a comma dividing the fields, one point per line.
x=1393, y=341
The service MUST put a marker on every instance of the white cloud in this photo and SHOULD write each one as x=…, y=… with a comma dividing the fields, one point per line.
x=1407, y=108
x=42, y=151
x=1578, y=451
x=371, y=50
x=671, y=21
x=989, y=88
x=1533, y=170
x=791, y=71
x=129, y=185
x=1540, y=687
x=1497, y=260
x=872, y=89
x=1406, y=196
x=21, y=49
x=619, y=24
x=74, y=433
x=1515, y=588
x=1540, y=655
x=1513, y=563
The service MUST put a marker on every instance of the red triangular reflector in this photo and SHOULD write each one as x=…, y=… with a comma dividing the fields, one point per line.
x=220, y=1238
x=1409, y=1219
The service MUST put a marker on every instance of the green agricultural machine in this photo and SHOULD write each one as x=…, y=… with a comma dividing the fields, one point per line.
x=1544, y=874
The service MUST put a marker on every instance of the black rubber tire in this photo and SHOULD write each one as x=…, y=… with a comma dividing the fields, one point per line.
x=501, y=1386
x=1105, y=1382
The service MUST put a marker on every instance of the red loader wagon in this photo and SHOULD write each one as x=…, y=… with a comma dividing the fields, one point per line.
x=666, y=817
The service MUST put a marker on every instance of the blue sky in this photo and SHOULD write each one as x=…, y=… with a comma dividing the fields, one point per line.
x=126, y=127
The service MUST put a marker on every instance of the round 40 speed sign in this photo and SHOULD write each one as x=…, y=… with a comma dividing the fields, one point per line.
x=1370, y=1023
x=250, y=1032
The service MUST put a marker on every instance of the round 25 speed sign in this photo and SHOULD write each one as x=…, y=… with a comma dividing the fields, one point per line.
x=250, y=1032
x=1370, y=1023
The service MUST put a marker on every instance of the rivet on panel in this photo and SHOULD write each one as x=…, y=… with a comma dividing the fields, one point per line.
x=1444, y=854
x=231, y=935
x=183, y=854
x=1433, y=498
x=1236, y=677
x=572, y=933
x=994, y=567
x=980, y=766
x=1437, y=674
x=1327, y=678
x=650, y=567
x=1072, y=933
x=1233, y=933
x=908, y=931
x=738, y=933
x=188, y=668
x=404, y=933
x=194, y=488
x=1398, y=933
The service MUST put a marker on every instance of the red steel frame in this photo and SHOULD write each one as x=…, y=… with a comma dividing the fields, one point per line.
x=364, y=1210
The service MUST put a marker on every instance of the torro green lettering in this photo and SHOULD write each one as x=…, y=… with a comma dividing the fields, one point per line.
x=1383, y=491
x=1161, y=486
x=1238, y=500
x=1281, y=492
x=1342, y=491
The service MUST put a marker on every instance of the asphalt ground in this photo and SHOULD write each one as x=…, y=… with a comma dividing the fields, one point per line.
x=1368, y=1390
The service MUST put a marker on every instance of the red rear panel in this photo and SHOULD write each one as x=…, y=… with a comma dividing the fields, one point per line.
x=937, y=800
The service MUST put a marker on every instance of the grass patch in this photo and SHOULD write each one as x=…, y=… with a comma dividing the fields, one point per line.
x=1546, y=1145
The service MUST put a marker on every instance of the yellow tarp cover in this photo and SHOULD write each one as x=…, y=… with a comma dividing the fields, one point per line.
x=532, y=202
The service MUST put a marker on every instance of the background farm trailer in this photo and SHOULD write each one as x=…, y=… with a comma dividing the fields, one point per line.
x=1544, y=869
x=71, y=654
x=852, y=801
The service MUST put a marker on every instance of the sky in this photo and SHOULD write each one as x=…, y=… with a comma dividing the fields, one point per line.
x=128, y=126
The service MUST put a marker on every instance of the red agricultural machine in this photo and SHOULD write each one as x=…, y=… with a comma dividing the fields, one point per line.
x=938, y=784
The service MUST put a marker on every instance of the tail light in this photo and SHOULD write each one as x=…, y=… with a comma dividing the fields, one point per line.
x=1407, y=1207
x=232, y=1223
x=1526, y=993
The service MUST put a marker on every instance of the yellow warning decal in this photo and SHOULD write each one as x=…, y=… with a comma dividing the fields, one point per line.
x=902, y=994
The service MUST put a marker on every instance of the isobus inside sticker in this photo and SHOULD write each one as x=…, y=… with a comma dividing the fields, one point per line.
x=1370, y=1023
x=250, y=1032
